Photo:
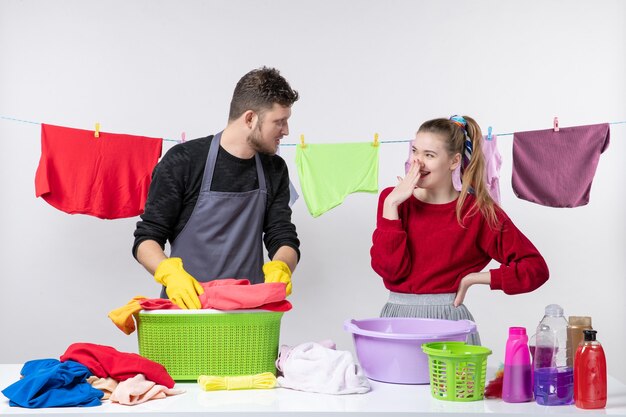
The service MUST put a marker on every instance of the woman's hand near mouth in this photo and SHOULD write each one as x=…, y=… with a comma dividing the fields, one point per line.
x=402, y=192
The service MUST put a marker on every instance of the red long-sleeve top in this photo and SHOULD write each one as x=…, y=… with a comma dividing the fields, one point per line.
x=426, y=251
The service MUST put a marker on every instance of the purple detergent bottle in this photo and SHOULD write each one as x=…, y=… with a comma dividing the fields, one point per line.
x=553, y=379
x=517, y=381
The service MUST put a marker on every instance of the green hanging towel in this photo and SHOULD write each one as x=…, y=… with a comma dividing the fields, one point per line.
x=329, y=172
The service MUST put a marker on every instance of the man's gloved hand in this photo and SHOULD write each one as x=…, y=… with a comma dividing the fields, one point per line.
x=278, y=271
x=181, y=288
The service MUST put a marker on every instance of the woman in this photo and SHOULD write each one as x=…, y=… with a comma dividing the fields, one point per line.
x=431, y=242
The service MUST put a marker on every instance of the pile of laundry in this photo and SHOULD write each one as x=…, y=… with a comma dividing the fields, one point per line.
x=225, y=294
x=85, y=375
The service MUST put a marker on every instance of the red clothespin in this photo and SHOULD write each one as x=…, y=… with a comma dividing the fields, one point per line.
x=556, y=124
x=182, y=137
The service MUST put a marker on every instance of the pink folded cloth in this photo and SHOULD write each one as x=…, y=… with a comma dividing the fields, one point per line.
x=232, y=294
x=138, y=389
x=106, y=385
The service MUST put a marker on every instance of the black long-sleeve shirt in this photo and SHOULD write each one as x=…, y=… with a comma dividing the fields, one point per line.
x=176, y=182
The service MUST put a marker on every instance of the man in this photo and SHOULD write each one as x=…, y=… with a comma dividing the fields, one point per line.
x=218, y=199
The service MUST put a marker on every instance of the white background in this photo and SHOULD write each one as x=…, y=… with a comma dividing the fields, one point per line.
x=158, y=68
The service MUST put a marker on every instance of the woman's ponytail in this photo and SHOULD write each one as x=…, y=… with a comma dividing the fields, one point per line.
x=473, y=177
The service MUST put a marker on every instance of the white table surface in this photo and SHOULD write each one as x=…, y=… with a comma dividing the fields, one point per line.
x=383, y=399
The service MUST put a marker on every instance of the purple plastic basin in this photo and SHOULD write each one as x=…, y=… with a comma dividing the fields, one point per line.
x=390, y=349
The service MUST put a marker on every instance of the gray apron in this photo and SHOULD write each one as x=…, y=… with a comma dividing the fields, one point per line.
x=223, y=236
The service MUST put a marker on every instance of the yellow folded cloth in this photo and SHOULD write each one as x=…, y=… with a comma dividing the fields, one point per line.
x=265, y=380
x=106, y=385
x=123, y=316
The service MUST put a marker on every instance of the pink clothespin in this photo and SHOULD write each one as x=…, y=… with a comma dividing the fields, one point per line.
x=182, y=137
x=556, y=124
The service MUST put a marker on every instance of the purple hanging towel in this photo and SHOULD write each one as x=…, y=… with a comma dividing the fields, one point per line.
x=556, y=169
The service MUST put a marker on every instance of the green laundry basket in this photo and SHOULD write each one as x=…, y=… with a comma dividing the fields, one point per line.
x=209, y=342
x=457, y=370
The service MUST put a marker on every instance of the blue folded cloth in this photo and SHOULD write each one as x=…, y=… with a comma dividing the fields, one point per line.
x=51, y=383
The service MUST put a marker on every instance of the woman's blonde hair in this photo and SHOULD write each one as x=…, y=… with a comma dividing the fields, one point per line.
x=462, y=135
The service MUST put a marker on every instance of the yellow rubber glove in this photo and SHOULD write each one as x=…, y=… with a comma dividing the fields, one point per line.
x=181, y=288
x=278, y=271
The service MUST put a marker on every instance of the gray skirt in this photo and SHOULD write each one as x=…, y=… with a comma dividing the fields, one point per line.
x=428, y=306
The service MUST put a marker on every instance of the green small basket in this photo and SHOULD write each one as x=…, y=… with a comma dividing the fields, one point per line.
x=457, y=370
x=208, y=342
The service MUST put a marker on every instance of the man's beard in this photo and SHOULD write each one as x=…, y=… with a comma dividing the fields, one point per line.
x=255, y=140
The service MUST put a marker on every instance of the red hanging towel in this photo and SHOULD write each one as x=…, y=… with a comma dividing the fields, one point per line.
x=107, y=177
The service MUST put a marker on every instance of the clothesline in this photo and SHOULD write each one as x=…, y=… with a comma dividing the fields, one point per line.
x=282, y=144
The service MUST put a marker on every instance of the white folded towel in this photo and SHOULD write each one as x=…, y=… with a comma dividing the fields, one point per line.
x=312, y=367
